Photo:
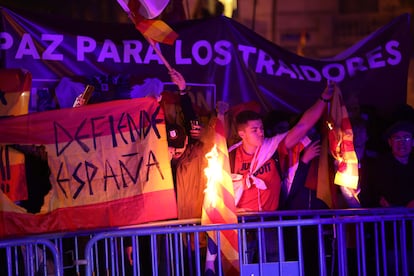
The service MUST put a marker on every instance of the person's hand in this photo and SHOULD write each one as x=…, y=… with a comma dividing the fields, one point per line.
x=128, y=250
x=311, y=151
x=178, y=79
x=79, y=101
x=328, y=92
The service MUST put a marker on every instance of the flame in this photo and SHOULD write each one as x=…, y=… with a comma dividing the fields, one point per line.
x=214, y=174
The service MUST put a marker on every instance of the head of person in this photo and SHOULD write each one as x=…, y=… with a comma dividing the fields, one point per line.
x=400, y=139
x=249, y=126
x=177, y=141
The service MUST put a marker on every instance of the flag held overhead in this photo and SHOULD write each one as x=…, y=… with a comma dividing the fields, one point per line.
x=147, y=8
x=142, y=13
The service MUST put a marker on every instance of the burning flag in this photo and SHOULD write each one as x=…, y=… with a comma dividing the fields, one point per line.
x=341, y=144
x=338, y=141
x=219, y=205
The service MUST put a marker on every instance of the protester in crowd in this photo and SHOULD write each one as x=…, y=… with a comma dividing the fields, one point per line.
x=300, y=197
x=391, y=183
x=187, y=145
x=230, y=120
x=252, y=160
x=178, y=150
x=261, y=184
x=184, y=148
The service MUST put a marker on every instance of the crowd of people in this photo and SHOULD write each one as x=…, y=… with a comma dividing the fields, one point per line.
x=275, y=162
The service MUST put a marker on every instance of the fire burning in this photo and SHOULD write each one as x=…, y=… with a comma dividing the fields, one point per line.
x=214, y=174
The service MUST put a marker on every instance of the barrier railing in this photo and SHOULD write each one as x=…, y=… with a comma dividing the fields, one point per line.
x=317, y=242
x=30, y=256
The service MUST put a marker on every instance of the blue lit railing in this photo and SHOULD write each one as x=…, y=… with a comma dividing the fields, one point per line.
x=338, y=242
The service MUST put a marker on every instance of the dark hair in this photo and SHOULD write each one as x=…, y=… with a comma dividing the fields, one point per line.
x=247, y=115
x=404, y=125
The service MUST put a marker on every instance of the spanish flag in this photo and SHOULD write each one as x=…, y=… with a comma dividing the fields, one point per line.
x=337, y=142
x=341, y=144
x=109, y=167
x=15, y=85
x=142, y=12
x=219, y=206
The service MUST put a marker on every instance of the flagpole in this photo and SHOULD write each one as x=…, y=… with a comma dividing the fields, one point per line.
x=152, y=43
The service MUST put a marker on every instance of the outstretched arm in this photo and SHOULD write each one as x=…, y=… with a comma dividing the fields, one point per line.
x=310, y=117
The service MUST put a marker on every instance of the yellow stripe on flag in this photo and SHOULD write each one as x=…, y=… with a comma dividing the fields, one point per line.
x=156, y=30
x=141, y=13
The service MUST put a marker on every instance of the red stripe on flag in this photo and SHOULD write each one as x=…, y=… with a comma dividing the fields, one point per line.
x=143, y=208
x=15, y=80
x=154, y=29
x=15, y=186
x=216, y=217
x=221, y=209
x=341, y=143
x=117, y=149
x=78, y=124
x=157, y=30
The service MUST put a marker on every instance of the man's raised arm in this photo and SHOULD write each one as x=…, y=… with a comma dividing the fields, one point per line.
x=310, y=117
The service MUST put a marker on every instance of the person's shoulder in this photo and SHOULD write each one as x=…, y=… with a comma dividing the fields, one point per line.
x=235, y=146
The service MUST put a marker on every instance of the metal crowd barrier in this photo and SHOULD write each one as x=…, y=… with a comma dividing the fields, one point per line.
x=29, y=256
x=317, y=242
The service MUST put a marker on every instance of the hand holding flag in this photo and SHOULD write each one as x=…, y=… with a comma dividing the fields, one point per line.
x=178, y=79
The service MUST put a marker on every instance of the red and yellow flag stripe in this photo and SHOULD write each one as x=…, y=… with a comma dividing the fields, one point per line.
x=219, y=206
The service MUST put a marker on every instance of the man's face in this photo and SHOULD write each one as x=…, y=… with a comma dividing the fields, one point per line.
x=401, y=143
x=253, y=133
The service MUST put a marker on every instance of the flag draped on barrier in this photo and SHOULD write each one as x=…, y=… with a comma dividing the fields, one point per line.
x=219, y=206
x=108, y=163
